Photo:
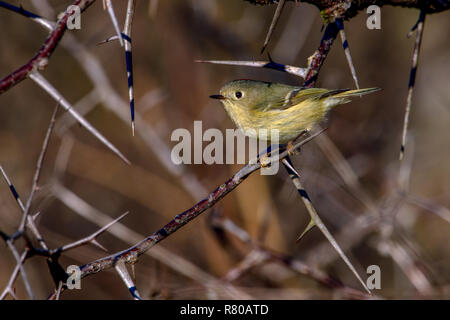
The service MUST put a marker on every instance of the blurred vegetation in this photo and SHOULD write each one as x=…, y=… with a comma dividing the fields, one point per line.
x=167, y=38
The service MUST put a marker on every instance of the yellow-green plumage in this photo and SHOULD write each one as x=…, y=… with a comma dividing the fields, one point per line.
x=255, y=105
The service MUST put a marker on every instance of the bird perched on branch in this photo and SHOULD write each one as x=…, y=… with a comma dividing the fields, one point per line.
x=256, y=105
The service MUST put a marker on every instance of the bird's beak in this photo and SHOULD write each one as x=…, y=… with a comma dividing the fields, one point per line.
x=217, y=96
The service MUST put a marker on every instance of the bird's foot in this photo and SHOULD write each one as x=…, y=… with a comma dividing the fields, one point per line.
x=291, y=149
x=264, y=160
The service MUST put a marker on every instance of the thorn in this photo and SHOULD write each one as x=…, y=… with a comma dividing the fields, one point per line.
x=125, y=275
x=310, y=225
x=96, y=243
x=414, y=27
x=275, y=18
x=412, y=79
x=114, y=20
x=348, y=55
x=297, y=71
x=35, y=216
x=317, y=221
x=112, y=38
x=47, y=86
x=287, y=164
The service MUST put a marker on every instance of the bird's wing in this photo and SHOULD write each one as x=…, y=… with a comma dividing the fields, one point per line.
x=295, y=96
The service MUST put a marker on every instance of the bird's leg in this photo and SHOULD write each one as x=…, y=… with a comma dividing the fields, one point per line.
x=290, y=148
x=264, y=156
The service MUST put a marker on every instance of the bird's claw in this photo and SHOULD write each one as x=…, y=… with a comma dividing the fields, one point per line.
x=264, y=161
x=291, y=150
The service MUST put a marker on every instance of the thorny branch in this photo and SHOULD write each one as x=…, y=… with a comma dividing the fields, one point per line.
x=132, y=254
x=159, y=253
x=37, y=173
x=26, y=218
x=351, y=8
x=40, y=60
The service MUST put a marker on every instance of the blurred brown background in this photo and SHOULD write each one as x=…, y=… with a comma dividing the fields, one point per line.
x=172, y=91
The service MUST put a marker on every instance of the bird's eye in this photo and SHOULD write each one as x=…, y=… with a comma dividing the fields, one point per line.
x=238, y=94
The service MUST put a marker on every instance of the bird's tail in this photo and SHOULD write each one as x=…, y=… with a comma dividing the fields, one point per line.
x=352, y=93
x=336, y=97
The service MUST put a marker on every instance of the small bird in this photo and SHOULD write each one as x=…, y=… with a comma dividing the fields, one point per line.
x=254, y=105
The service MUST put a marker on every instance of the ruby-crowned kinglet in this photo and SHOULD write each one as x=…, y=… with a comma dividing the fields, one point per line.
x=255, y=105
